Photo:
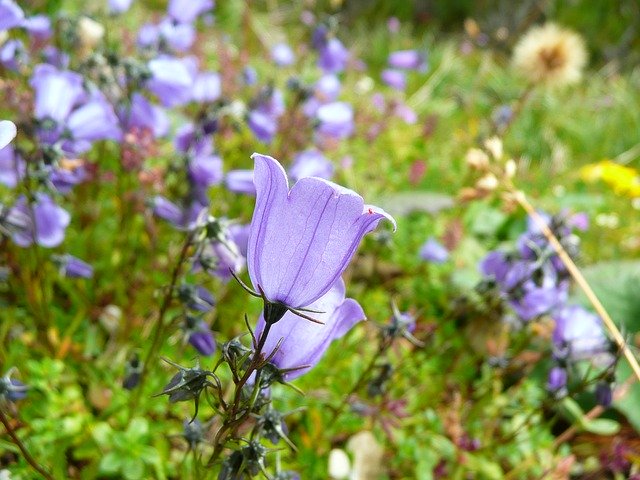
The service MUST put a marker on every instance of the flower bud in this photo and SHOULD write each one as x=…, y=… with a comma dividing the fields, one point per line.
x=477, y=159
x=90, y=33
x=494, y=145
x=488, y=183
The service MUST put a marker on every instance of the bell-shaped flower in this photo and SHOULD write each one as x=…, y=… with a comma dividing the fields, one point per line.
x=335, y=120
x=302, y=239
x=240, y=181
x=394, y=78
x=408, y=60
x=433, y=251
x=580, y=331
x=144, y=115
x=333, y=56
x=46, y=223
x=172, y=79
x=187, y=11
x=311, y=163
x=73, y=267
x=11, y=15
x=302, y=344
x=116, y=7
x=12, y=166
x=282, y=55
x=56, y=92
x=178, y=37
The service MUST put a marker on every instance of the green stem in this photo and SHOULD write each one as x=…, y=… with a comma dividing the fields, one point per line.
x=159, y=329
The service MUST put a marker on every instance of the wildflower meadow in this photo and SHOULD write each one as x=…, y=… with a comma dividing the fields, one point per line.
x=319, y=239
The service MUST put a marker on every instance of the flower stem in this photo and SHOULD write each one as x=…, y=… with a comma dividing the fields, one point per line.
x=25, y=453
x=581, y=281
x=159, y=327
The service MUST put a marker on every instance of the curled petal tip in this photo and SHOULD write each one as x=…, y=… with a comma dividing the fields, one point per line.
x=373, y=210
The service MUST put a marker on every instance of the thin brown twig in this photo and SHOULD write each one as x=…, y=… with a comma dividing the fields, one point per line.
x=581, y=281
x=25, y=453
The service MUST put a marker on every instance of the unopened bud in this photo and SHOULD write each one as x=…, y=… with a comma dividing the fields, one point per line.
x=510, y=168
x=488, y=183
x=90, y=32
x=494, y=145
x=477, y=159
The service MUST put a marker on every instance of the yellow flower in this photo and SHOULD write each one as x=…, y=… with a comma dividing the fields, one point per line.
x=550, y=55
x=623, y=180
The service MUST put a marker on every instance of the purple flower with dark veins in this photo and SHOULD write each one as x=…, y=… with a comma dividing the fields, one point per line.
x=304, y=343
x=303, y=238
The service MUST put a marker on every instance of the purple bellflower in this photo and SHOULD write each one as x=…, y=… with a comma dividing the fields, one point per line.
x=311, y=163
x=11, y=15
x=187, y=11
x=172, y=79
x=304, y=343
x=46, y=223
x=38, y=27
x=117, y=7
x=408, y=60
x=13, y=55
x=240, y=181
x=433, y=251
x=144, y=115
x=580, y=332
x=73, y=267
x=200, y=336
x=557, y=380
x=333, y=56
x=282, y=55
x=302, y=238
x=178, y=37
x=394, y=78
x=12, y=166
x=335, y=120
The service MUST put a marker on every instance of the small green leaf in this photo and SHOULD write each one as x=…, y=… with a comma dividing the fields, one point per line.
x=602, y=426
x=111, y=463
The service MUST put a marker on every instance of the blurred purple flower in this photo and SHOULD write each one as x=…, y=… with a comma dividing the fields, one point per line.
x=145, y=115
x=11, y=15
x=178, y=37
x=282, y=55
x=207, y=87
x=172, y=79
x=333, y=56
x=46, y=222
x=394, y=78
x=311, y=163
x=38, y=27
x=12, y=166
x=201, y=338
x=13, y=55
x=335, y=120
x=302, y=239
x=187, y=11
x=55, y=57
x=205, y=170
x=327, y=88
x=64, y=180
x=249, y=75
x=240, y=235
x=580, y=332
x=303, y=342
x=408, y=60
x=557, y=379
x=117, y=7
x=433, y=251
x=393, y=25
x=263, y=126
x=73, y=267
x=56, y=92
x=406, y=113
x=240, y=181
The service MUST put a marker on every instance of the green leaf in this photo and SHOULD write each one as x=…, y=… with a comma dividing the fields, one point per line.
x=628, y=404
x=602, y=426
x=133, y=468
x=111, y=463
x=138, y=428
